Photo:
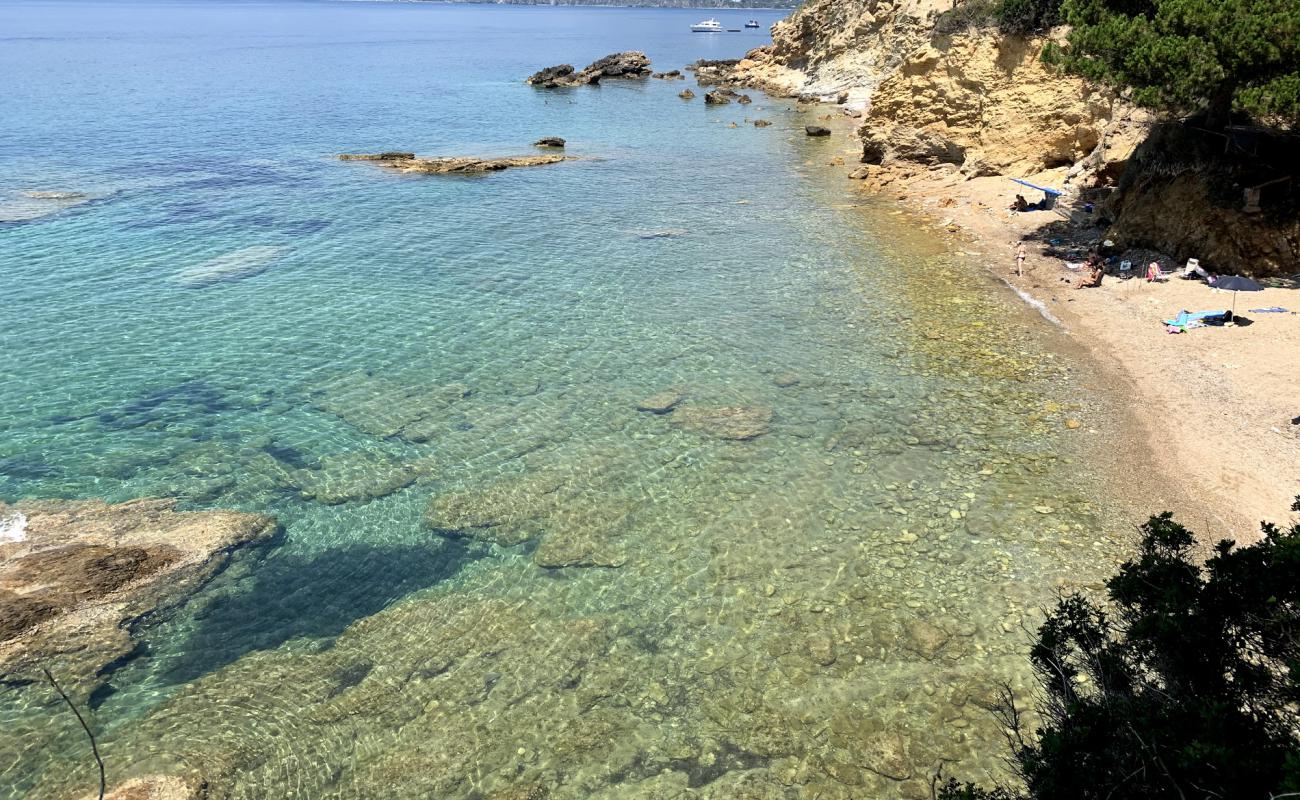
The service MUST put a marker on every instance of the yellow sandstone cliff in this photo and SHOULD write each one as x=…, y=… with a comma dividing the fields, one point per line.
x=983, y=102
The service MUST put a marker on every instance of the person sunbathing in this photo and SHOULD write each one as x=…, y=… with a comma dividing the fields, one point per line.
x=1021, y=204
x=1092, y=278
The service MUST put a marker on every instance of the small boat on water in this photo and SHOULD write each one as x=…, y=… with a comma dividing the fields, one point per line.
x=753, y=23
x=707, y=26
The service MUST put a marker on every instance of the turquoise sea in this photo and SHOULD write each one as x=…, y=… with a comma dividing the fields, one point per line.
x=818, y=611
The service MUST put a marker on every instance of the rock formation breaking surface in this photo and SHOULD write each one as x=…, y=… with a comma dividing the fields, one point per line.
x=627, y=64
x=448, y=165
x=83, y=571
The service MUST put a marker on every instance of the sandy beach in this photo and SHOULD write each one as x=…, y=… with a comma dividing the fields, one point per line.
x=1217, y=406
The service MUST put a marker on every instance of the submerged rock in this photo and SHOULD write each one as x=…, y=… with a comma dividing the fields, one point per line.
x=816, y=130
x=738, y=423
x=885, y=753
x=454, y=164
x=821, y=649
x=85, y=570
x=661, y=403
x=234, y=266
x=505, y=513
x=577, y=548
x=357, y=477
x=627, y=64
x=156, y=787
x=925, y=639
x=686, y=94
x=744, y=99
x=382, y=406
x=549, y=141
x=34, y=204
x=662, y=233
x=761, y=123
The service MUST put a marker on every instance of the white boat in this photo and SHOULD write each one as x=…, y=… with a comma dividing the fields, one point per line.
x=753, y=23
x=707, y=26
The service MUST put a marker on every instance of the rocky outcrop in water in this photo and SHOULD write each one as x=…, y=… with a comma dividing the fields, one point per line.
x=549, y=141
x=816, y=130
x=394, y=155
x=448, y=165
x=74, y=576
x=709, y=72
x=628, y=64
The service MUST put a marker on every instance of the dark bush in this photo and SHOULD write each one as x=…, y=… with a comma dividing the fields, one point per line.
x=1010, y=16
x=1183, y=687
x=1028, y=16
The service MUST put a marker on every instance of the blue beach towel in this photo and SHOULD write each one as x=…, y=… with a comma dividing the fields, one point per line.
x=1184, y=318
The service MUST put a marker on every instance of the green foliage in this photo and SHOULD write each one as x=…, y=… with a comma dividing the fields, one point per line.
x=1028, y=16
x=1189, y=56
x=1185, y=688
x=1011, y=16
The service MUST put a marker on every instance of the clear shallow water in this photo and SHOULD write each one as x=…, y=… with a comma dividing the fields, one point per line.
x=817, y=612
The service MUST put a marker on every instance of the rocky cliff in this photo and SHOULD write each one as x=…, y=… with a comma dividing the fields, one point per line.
x=976, y=99
x=830, y=46
x=934, y=96
x=986, y=103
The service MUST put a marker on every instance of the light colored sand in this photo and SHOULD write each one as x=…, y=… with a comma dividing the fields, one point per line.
x=1216, y=403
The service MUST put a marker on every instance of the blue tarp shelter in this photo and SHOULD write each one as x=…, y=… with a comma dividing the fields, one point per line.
x=1049, y=195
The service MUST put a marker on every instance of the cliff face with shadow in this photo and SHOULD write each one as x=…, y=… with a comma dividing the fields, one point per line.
x=1231, y=201
x=938, y=95
x=934, y=95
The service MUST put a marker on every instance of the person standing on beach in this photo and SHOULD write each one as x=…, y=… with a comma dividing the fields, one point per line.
x=1020, y=259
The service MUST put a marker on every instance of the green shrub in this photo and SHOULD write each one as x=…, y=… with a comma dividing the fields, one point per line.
x=1190, y=56
x=1028, y=16
x=1185, y=687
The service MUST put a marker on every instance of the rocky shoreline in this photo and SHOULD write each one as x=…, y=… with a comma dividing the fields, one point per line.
x=75, y=576
x=973, y=103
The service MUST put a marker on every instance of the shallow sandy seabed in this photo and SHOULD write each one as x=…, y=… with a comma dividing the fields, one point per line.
x=822, y=610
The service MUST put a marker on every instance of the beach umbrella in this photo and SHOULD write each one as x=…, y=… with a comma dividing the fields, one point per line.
x=1234, y=284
